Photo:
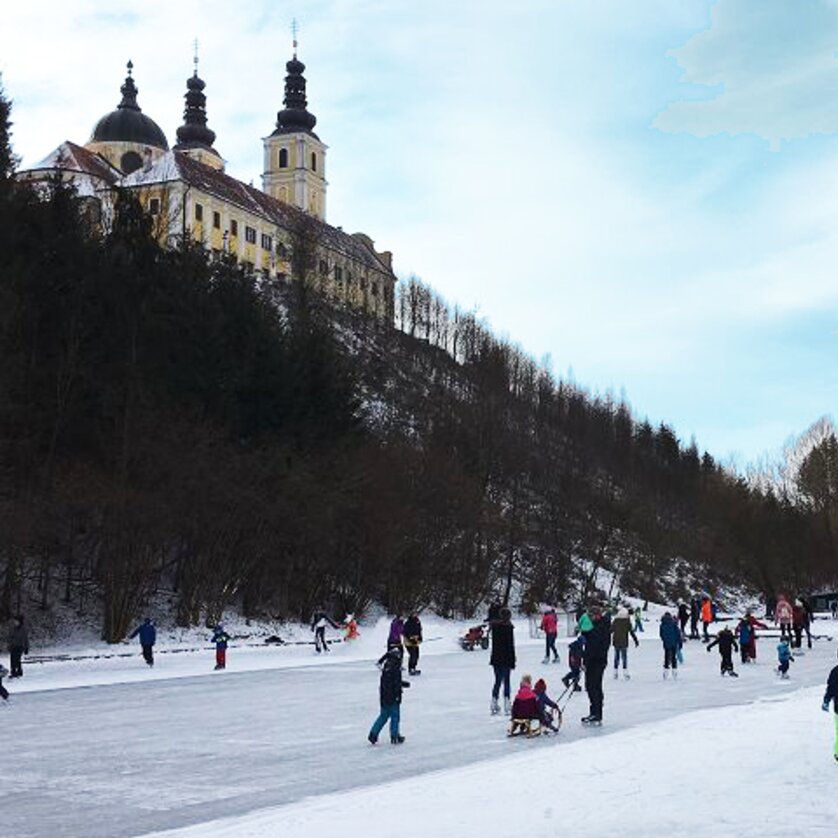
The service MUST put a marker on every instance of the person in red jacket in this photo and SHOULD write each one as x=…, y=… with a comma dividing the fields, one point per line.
x=550, y=627
x=752, y=642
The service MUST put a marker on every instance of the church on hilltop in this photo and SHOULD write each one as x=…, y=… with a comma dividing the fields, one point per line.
x=187, y=191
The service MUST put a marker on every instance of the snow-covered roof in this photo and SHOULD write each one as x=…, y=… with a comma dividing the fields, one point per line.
x=95, y=170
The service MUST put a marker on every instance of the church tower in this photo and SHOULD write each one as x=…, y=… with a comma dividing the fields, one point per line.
x=194, y=137
x=295, y=159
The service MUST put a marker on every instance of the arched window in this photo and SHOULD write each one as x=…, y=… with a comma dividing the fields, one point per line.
x=313, y=162
x=283, y=158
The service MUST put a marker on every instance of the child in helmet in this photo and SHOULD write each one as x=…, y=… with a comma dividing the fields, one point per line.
x=783, y=657
x=575, y=653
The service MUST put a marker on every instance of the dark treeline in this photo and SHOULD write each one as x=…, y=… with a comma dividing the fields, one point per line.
x=170, y=423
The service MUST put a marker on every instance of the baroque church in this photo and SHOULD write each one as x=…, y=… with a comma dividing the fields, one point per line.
x=187, y=191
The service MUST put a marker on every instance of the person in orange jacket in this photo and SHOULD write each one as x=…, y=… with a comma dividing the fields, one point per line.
x=350, y=625
x=706, y=616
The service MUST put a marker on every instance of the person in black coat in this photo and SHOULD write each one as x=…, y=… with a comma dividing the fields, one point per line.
x=597, y=643
x=502, y=658
x=18, y=645
x=831, y=694
x=726, y=643
x=412, y=639
x=390, y=695
x=683, y=616
x=695, y=614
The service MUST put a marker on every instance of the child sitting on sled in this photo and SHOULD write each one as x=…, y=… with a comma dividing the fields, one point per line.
x=545, y=702
x=524, y=708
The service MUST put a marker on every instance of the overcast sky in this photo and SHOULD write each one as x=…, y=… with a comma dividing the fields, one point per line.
x=645, y=192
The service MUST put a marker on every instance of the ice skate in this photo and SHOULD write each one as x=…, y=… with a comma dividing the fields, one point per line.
x=494, y=707
x=665, y=674
x=674, y=674
x=396, y=740
x=372, y=739
x=616, y=675
x=507, y=706
x=626, y=676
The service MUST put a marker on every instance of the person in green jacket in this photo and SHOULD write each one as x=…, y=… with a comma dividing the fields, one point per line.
x=620, y=631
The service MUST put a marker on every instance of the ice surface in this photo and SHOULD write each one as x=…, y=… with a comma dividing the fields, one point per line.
x=276, y=745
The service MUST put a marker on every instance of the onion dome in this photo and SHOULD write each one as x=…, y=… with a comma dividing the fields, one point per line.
x=128, y=124
x=194, y=132
x=294, y=118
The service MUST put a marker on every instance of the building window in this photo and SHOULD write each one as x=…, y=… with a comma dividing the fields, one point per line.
x=234, y=228
x=313, y=162
x=250, y=235
x=281, y=250
x=348, y=278
x=216, y=220
x=374, y=289
x=281, y=277
x=338, y=274
x=324, y=268
x=267, y=242
x=154, y=206
x=199, y=212
x=363, y=283
x=283, y=158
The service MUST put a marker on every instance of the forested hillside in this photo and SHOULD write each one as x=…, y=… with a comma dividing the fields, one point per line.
x=168, y=421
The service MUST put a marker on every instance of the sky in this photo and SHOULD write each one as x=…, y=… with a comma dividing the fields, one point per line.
x=641, y=195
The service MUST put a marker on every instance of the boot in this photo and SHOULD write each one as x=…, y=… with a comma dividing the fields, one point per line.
x=396, y=740
x=494, y=707
x=616, y=674
x=507, y=705
x=626, y=676
x=665, y=674
x=372, y=739
x=546, y=660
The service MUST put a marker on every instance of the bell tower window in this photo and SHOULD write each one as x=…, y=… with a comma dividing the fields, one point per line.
x=283, y=158
x=313, y=162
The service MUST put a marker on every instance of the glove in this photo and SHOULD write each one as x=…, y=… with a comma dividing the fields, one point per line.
x=825, y=706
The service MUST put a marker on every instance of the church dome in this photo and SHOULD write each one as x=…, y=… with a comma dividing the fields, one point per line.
x=128, y=124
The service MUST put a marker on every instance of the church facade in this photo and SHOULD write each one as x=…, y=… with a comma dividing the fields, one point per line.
x=188, y=193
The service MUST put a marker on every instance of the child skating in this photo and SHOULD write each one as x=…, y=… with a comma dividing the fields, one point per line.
x=390, y=695
x=726, y=643
x=575, y=656
x=784, y=656
x=221, y=639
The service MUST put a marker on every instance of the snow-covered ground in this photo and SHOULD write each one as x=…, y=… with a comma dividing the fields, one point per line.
x=276, y=745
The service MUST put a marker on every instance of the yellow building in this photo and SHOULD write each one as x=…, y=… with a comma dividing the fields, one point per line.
x=188, y=192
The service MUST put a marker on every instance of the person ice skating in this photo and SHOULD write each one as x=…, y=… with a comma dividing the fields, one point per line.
x=638, y=619
x=148, y=636
x=390, y=696
x=695, y=614
x=502, y=659
x=597, y=642
x=4, y=693
x=670, y=635
x=706, y=617
x=396, y=635
x=752, y=641
x=744, y=631
x=18, y=646
x=621, y=630
x=683, y=616
x=545, y=704
x=575, y=654
x=808, y=616
x=412, y=639
x=550, y=627
x=784, y=656
x=831, y=694
x=220, y=638
x=350, y=625
x=494, y=612
x=783, y=614
x=318, y=625
x=726, y=643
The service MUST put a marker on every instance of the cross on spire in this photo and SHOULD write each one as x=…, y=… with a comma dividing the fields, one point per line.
x=195, y=55
x=294, y=29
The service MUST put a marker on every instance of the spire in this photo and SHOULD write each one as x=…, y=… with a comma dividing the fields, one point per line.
x=129, y=91
x=194, y=130
x=295, y=117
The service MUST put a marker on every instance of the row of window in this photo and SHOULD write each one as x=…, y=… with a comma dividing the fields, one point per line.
x=283, y=159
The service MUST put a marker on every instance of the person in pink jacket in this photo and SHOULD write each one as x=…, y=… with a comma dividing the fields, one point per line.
x=550, y=627
x=783, y=615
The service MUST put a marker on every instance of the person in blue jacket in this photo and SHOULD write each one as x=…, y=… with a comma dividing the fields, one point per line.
x=390, y=695
x=148, y=637
x=831, y=694
x=220, y=638
x=784, y=655
x=670, y=635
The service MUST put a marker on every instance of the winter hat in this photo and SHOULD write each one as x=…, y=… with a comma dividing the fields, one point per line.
x=623, y=612
x=505, y=613
x=540, y=686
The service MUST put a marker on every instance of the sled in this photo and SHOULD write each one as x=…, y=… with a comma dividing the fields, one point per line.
x=474, y=637
x=534, y=727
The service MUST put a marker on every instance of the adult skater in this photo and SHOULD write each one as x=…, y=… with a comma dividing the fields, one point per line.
x=670, y=635
x=726, y=643
x=831, y=694
x=752, y=642
x=695, y=614
x=396, y=634
x=502, y=658
x=597, y=642
x=706, y=616
x=550, y=627
x=783, y=614
x=412, y=639
x=621, y=630
x=808, y=617
x=318, y=625
x=494, y=612
x=683, y=616
x=18, y=645
x=4, y=693
x=390, y=696
x=148, y=637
